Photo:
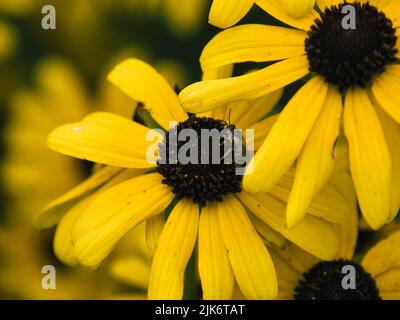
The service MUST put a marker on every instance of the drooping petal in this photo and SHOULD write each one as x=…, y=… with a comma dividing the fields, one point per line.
x=277, y=9
x=226, y=13
x=253, y=269
x=287, y=137
x=51, y=214
x=175, y=247
x=216, y=274
x=143, y=83
x=315, y=163
x=62, y=244
x=370, y=162
x=114, y=212
x=104, y=138
x=391, y=130
x=252, y=42
x=207, y=95
x=386, y=91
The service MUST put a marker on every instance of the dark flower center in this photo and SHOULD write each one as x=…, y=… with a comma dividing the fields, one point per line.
x=205, y=179
x=351, y=57
x=324, y=281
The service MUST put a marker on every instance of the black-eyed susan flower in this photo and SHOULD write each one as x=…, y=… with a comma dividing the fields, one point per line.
x=226, y=13
x=352, y=75
x=204, y=202
x=376, y=276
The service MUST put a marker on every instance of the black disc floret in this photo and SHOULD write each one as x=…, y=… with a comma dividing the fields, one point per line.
x=202, y=181
x=324, y=282
x=348, y=56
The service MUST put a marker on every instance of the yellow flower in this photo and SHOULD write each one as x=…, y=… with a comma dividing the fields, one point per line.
x=350, y=69
x=226, y=13
x=32, y=175
x=224, y=230
x=301, y=276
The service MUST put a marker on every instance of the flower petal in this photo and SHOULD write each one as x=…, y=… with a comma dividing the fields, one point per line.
x=276, y=8
x=143, y=83
x=386, y=91
x=370, y=162
x=154, y=227
x=298, y=9
x=328, y=204
x=52, y=213
x=207, y=95
x=391, y=130
x=253, y=269
x=247, y=114
x=216, y=274
x=62, y=244
x=252, y=42
x=262, y=130
x=175, y=247
x=384, y=256
x=104, y=138
x=315, y=163
x=287, y=137
x=316, y=236
x=226, y=13
x=114, y=212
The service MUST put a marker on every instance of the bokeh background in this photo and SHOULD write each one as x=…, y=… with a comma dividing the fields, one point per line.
x=49, y=77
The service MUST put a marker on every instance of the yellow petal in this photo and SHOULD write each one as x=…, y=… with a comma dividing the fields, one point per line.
x=391, y=130
x=269, y=235
x=278, y=10
x=51, y=214
x=298, y=8
x=207, y=95
x=262, y=130
x=132, y=270
x=252, y=42
x=323, y=4
x=143, y=83
x=328, y=204
x=384, y=256
x=341, y=179
x=391, y=9
x=389, y=282
x=154, y=227
x=218, y=73
x=175, y=247
x=370, y=162
x=104, y=138
x=114, y=212
x=315, y=163
x=253, y=269
x=226, y=13
x=312, y=234
x=62, y=244
x=247, y=114
x=287, y=137
x=386, y=90
x=215, y=270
